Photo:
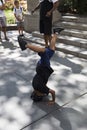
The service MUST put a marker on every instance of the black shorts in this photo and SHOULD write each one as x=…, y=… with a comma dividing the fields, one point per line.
x=46, y=26
x=20, y=24
x=39, y=84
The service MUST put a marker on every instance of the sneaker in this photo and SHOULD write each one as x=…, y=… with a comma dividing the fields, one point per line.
x=22, y=43
x=57, y=30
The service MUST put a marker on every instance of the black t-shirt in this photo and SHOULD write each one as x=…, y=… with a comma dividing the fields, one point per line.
x=44, y=72
x=41, y=78
x=45, y=6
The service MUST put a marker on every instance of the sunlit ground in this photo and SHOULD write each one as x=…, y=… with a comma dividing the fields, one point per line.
x=17, y=69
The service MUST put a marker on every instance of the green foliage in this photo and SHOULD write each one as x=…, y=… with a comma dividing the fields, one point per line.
x=82, y=6
x=10, y=16
x=75, y=6
x=65, y=6
x=9, y=6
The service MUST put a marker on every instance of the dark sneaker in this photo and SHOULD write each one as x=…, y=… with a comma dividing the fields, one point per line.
x=57, y=30
x=22, y=43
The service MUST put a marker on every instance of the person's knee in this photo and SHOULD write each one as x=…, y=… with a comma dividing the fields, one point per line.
x=4, y=28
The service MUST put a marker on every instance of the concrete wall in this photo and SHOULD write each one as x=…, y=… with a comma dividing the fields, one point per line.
x=31, y=4
x=31, y=22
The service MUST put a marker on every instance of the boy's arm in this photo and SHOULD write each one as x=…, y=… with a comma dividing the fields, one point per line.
x=52, y=92
x=53, y=42
x=35, y=48
x=16, y=17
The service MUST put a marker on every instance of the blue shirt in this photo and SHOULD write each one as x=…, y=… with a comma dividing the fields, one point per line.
x=45, y=57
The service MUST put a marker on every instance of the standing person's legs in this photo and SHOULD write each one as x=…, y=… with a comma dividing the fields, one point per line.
x=20, y=26
x=0, y=30
x=46, y=29
x=4, y=27
x=0, y=35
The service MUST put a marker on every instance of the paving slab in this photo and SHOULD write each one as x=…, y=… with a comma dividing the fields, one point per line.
x=69, y=80
x=66, y=119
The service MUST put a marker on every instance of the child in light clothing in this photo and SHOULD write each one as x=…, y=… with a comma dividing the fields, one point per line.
x=3, y=20
x=18, y=13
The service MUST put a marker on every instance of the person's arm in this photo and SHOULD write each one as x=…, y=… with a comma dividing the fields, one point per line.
x=22, y=14
x=52, y=92
x=55, y=5
x=36, y=8
x=17, y=17
x=2, y=7
x=35, y=48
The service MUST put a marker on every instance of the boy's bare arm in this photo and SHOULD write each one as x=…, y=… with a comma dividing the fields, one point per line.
x=53, y=42
x=18, y=18
x=52, y=92
x=35, y=48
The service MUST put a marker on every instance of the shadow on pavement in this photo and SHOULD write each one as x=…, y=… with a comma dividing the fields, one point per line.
x=8, y=44
x=17, y=109
x=76, y=68
x=57, y=113
x=65, y=118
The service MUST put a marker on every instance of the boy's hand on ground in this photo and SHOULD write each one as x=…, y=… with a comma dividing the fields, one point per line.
x=50, y=102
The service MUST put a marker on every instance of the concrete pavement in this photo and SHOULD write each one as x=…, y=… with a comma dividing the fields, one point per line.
x=17, y=110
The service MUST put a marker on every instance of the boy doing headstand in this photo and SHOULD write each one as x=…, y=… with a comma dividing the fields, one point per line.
x=43, y=68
